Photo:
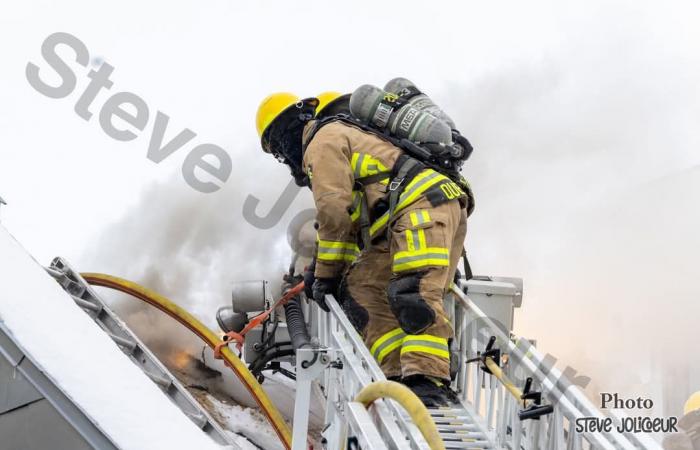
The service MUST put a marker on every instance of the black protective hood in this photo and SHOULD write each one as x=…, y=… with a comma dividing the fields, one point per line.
x=283, y=138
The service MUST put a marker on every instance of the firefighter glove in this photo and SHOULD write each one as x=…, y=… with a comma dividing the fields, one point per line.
x=323, y=287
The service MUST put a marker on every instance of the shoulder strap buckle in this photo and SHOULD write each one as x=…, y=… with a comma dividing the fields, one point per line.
x=395, y=184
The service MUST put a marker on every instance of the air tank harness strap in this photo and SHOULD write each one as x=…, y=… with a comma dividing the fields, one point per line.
x=401, y=175
x=365, y=223
x=405, y=169
x=239, y=338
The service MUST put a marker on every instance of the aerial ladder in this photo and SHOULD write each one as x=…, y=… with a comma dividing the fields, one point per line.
x=510, y=397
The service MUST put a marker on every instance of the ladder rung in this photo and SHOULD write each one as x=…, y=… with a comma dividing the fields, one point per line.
x=446, y=410
x=463, y=426
x=162, y=381
x=86, y=304
x=131, y=345
x=198, y=419
x=462, y=434
x=472, y=445
x=452, y=420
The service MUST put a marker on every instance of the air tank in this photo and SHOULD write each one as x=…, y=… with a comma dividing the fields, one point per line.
x=382, y=109
x=405, y=88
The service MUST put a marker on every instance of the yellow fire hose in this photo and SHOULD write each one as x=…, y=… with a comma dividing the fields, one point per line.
x=410, y=402
x=498, y=373
x=208, y=336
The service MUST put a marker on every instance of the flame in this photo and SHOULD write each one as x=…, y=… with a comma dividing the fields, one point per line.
x=180, y=359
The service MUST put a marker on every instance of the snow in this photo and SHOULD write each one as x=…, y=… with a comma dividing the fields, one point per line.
x=84, y=362
x=248, y=422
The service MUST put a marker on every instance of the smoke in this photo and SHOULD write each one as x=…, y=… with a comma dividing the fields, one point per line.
x=585, y=187
x=581, y=172
x=190, y=247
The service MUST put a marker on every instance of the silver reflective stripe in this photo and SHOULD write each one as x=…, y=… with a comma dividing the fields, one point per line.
x=335, y=250
x=406, y=259
x=435, y=345
x=385, y=344
x=358, y=165
x=416, y=239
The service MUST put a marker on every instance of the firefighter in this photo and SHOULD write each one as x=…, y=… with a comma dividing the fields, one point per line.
x=409, y=220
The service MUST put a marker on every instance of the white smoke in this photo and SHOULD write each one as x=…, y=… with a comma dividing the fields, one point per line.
x=580, y=183
x=585, y=188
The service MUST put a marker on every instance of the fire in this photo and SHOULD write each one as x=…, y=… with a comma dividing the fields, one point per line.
x=180, y=359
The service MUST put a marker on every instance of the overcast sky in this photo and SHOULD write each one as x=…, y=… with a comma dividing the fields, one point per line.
x=570, y=106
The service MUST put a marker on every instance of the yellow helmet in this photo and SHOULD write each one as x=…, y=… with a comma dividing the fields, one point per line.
x=692, y=404
x=271, y=107
x=331, y=103
x=325, y=98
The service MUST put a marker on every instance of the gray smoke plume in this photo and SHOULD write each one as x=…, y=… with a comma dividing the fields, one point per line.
x=582, y=175
x=585, y=187
x=190, y=247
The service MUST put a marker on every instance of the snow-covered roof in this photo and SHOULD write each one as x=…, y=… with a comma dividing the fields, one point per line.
x=84, y=363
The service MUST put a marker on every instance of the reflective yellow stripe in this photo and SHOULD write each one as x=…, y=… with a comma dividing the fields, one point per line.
x=419, y=217
x=335, y=244
x=415, y=240
x=409, y=240
x=426, y=343
x=425, y=337
x=420, y=183
x=387, y=343
x=421, y=239
x=337, y=251
x=356, y=207
x=416, y=188
x=420, y=348
x=364, y=165
x=431, y=256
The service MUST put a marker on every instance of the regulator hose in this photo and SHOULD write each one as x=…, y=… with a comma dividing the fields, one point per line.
x=260, y=363
x=296, y=325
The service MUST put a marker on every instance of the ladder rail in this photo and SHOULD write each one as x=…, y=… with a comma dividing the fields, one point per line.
x=336, y=332
x=86, y=298
x=459, y=426
x=526, y=361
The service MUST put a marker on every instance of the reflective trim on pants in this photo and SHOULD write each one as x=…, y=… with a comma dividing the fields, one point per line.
x=416, y=259
x=422, y=343
x=425, y=343
x=387, y=343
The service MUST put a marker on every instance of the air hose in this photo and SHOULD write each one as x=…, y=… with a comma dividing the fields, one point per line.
x=296, y=325
x=260, y=363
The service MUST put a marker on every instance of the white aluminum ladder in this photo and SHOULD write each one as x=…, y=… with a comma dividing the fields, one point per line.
x=85, y=297
x=486, y=418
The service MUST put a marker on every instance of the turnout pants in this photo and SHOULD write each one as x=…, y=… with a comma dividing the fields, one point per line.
x=401, y=283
